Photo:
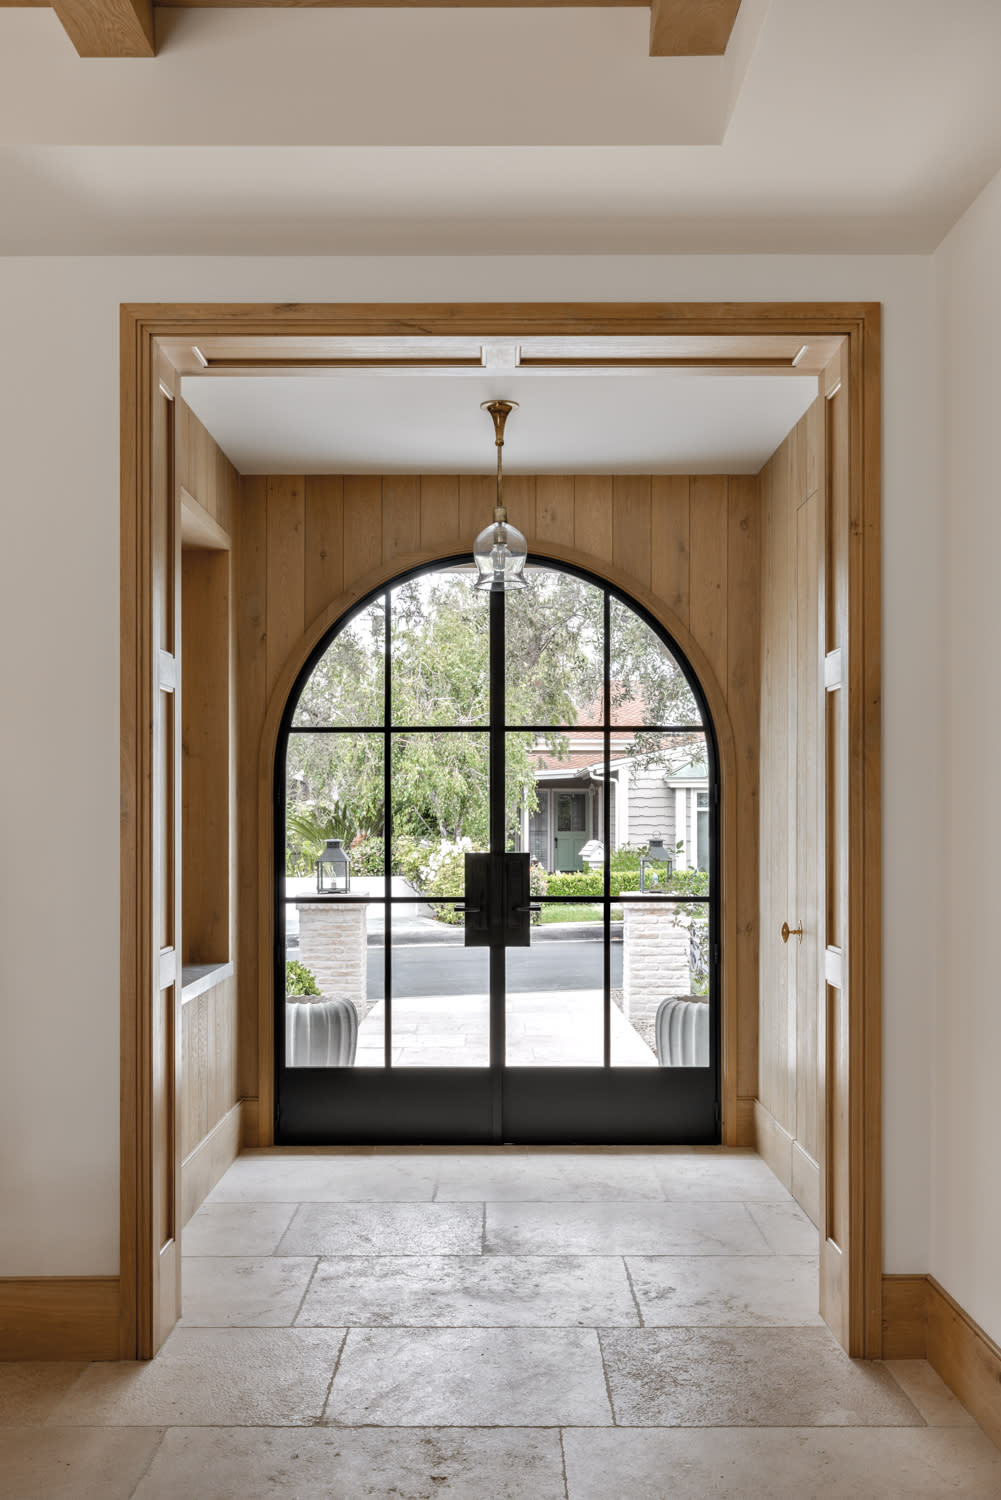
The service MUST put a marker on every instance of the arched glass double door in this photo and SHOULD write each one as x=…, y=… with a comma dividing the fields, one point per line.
x=514, y=936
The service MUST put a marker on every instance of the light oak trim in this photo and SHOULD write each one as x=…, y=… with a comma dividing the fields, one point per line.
x=859, y=324
x=109, y=28
x=905, y=1317
x=203, y=1167
x=199, y=529
x=691, y=28
x=922, y=1321
x=968, y=1360
x=795, y=1169
x=206, y=982
x=59, y=1317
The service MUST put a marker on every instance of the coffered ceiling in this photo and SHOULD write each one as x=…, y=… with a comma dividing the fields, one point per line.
x=865, y=125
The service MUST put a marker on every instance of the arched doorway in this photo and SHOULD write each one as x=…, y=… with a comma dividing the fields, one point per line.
x=523, y=941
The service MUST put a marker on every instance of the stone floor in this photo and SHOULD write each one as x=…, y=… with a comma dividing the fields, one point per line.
x=493, y=1325
x=558, y=1029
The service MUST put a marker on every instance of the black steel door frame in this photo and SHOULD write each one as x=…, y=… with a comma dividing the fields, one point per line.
x=500, y=1103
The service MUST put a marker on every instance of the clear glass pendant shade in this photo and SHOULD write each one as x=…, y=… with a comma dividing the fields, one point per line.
x=499, y=553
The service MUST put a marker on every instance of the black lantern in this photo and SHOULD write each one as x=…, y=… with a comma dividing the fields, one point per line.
x=656, y=855
x=333, y=870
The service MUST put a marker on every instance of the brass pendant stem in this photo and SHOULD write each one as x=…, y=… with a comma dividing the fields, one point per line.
x=499, y=411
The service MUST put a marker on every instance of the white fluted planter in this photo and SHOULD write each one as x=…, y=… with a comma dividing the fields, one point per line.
x=681, y=1033
x=320, y=1033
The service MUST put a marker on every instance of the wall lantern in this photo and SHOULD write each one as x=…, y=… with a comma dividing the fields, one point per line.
x=500, y=550
x=656, y=855
x=333, y=870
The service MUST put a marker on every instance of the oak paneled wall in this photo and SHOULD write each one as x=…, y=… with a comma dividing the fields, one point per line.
x=209, y=828
x=687, y=548
x=787, y=1115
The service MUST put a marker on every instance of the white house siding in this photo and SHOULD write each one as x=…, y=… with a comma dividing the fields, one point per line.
x=651, y=807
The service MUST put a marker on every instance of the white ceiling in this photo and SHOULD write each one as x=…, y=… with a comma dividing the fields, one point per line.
x=859, y=125
x=865, y=125
x=635, y=422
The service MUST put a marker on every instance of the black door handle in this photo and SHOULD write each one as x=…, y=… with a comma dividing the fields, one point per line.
x=528, y=908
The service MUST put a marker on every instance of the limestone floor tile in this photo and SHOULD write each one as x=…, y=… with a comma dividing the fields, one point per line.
x=236, y=1228
x=746, y=1377
x=207, y=1377
x=736, y=1175
x=930, y=1394
x=293, y=1177
x=547, y=1178
x=67, y=1463
x=30, y=1390
x=786, y=1228
x=726, y=1291
x=356, y=1464
x=783, y=1464
x=384, y=1229
x=469, y=1377
x=230, y=1292
x=622, y=1229
x=451, y=1291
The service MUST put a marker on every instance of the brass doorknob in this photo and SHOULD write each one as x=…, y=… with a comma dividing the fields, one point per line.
x=788, y=932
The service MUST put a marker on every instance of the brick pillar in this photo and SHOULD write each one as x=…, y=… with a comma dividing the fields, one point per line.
x=654, y=957
x=333, y=943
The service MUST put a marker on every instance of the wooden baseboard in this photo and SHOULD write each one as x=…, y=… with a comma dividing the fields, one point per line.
x=214, y=1154
x=792, y=1166
x=743, y=1134
x=59, y=1317
x=905, y=1317
x=248, y=1135
x=921, y=1321
x=967, y=1359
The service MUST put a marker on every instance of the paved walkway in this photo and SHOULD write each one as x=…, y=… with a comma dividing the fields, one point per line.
x=544, y=1030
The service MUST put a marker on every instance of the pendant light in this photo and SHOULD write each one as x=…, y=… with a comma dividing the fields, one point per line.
x=500, y=550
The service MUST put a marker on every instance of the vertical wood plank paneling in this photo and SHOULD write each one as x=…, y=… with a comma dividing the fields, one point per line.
x=286, y=570
x=401, y=516
x=519, y=498
x=707, y=611
x=631, y=538
x=324, y=551
x=477, y=493
x=592, y=527
x=251, y=594
x=362, y=527
x=439, y=502
x=743, y=676
x=774, y=790
x=642, y=525
x=554, y=510
x=809, y=831
x=205, y=669
x=670, y=534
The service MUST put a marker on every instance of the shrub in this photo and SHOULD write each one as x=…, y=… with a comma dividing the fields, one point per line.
x=577, y=883
x=409, y=855
x=444, y=874
x=538, y=885
x=299, y=980
x=368, y=856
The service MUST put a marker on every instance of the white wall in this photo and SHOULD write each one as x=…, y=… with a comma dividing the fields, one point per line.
x=966, y=1162
x=59, y=669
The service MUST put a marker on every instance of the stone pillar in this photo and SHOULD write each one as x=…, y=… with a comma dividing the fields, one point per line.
x=654, y=957
x=333, y=944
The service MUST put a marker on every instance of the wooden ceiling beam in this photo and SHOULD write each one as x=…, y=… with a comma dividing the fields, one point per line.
x=691, y=28
x=109, y=28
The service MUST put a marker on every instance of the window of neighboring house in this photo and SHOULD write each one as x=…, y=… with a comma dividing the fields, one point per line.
x=538, y=830
x=702, y=830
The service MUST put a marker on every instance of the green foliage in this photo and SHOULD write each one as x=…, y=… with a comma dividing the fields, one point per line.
x=444, y=874
x=577, y=883
x=368, y=856
x=409, y=857
x=299, y=980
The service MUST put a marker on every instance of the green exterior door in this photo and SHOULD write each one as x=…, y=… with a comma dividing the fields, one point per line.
x=572, y=832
